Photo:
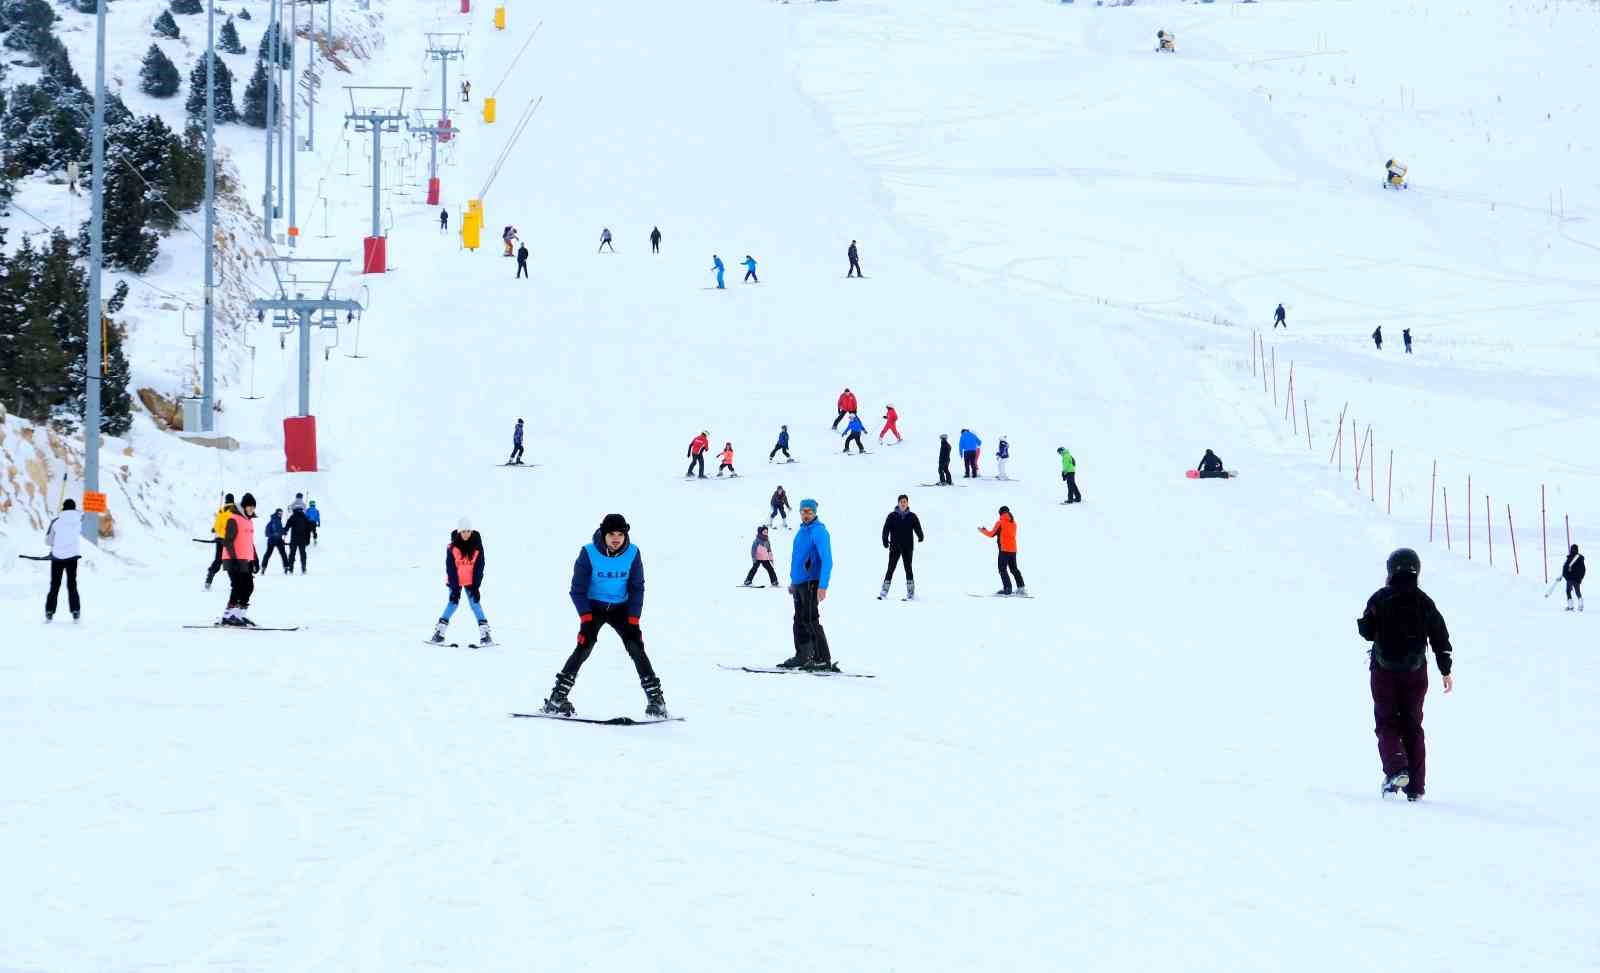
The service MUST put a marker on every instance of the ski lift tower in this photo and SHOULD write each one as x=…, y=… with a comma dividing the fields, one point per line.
x=434, y=133
x=291, y=308
x=376, y=109
x=445, y=48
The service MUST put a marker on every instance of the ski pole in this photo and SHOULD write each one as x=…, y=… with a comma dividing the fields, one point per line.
x=34, y=557
x=1553, y=585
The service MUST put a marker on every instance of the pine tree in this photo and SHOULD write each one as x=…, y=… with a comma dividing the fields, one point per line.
x=196, y=103
x=187, y=7
x=32, y=373
x=228, y=40
x=159, y=76
x=244, y=14
x=264, y=49
x=165, y=26
x=255, y=98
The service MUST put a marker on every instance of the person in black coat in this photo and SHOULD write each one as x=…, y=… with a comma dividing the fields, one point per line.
x=855, y=261
x=1377, y=337
x=1572, y=573
x=902, y=531
x=945, y=479
x=522, y=260
x=1211, y=467
x=299, y=530
x=1277, y=319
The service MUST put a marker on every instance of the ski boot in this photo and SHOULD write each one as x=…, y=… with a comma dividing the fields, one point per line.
x=911, y=591
x=655, y=699
x=884, y=591
x=1580, y=604
x=1396, y=782
x=48, y=616
x=484, y=638
x=1413, y=796
x=558, y=704
x=1569, y=604
x=1022, y=591
x=823, y=665
x=77, y=617
x=439, y=628
x=800, y=660
x=1003, y=593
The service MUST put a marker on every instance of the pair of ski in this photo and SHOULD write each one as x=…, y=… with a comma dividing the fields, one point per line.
x=249, y=628
x=779, y=671
x=614, y=721
x=457, y=645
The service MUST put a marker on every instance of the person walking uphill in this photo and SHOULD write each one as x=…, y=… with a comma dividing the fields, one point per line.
x=810, y=567
x=1004, y=532
x=1377, y=337
x=516, y=445
x=847, y=405
x=782, y=446
x=855, y=261
x=716, y=265
x=315, y=516
x=750, y=270
x=902, y=532
x=761, y=557
x=698, y=447
x=1069, y=473
x=1572, y=573
x=969, y=453
x=464, y=563
x=852, y=433
x=1401, y=622
x=608, y=589
x=63, y=535
x=239, y=558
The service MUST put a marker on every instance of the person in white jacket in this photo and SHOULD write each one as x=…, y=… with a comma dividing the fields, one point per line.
x=63, y=535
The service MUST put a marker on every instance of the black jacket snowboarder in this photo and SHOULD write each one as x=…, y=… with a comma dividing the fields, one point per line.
x=1572, y=573
x=1278, y=319
x=944, y=460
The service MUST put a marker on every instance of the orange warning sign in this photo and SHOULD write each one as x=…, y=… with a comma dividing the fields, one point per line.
x=94, y=503
x=294, y=231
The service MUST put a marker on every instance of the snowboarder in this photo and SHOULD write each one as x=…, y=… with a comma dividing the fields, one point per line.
x=605, y=240
x=782, y=445
x=1572, y=573
x=239, y=557
x=761, y=557
x=522, y=260
x=969, y=453
x=1069, y=472
x=855, y=262
x=516, y=445
x=218, y=522
x=315, y=516
x=1004, y=532
x=727, y=460
x=298, y=527
x=275, y=543
x=698, y=446
x=1377, y=337
x=1401, y=621
x=1405, y=335
x=655, y=239
x=902, y=532
x=810, y=567
x=508, y=236
x=608, y=589
x=891, y=424
x=945, y=478
x=780, y=507
x=464, y=562
x=750, y=269
x=62, y=536
x=852, y=433
x=1001, y=454
x=1211, y=467
x=716, y=265
x=444, y=221
x=847, y=405
x=466, y=91
x=1277, y=319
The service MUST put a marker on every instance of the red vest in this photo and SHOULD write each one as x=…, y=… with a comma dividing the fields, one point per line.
x=465, y=565
x=243, y=548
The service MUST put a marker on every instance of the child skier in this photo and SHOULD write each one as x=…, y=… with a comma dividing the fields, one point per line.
x=62, y=536
x=698, y=447
x=1001, y=454
x=516, y=445
x=750, y=269
x=463, y=570
x=1069, y=473
x=782, y=446
x=315, y=516
x=605, y=239
x=891, y=421
x=239, y=558
x=852, y=433
x=780, y=507
x=608, y=589
x=761, y=557
x=508, y=235
x=1004, y=532
x=1572, y=573
x=1401, y=621
x=275, y=543
x=727, y=460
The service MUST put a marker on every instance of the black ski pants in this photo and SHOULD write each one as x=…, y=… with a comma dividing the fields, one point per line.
x=780, y=449
x=297, y=548
x=516, y=454
x=1397, y=712
x=1008, y=563
x=599, y=616
x=728, y=467
x=694, y=461
x=944, y=473
x=63, y=567
x=896, y=555
x=855, y=269
x=756, y=566
x=810, y=641
x=216, y=561
x=969, y=463
x=604, y=244
x=276, y=546
x=1073, y=496
x=778, y=513
x=522, y=268
x=854, y=437
x=1574, y=589
x=655, y=246
x=839, y=418
x=750, y=275
x=241, y=584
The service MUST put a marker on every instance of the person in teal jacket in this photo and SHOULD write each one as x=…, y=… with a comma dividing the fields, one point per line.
x=750, y=269
x=810, y=567
x=716, y=264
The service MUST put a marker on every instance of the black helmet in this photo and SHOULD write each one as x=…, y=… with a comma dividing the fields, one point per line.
x=614, y=522
x=1404, y=559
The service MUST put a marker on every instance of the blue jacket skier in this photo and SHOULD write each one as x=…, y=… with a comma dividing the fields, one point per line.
x=969, y=445
x=750, y=269
x=516, y=446
x=315, y=516
x=810, y=567
x=716, y=264
x=276, y=534
x=782, y=446
x=852, y=433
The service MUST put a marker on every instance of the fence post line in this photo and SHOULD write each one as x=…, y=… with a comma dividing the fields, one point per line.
x=1568, y=519
x=1274, y=374
x=1433, y=491
x=1446, y=491
x=1372, y=467
x=1288, y=396
x=1544, y=535
x=1263, y=364
x=1338, y=439
x=1516, y=562
x=1469, y=516
x=1488, y=527
x=1389, y=504
x=1306, y=408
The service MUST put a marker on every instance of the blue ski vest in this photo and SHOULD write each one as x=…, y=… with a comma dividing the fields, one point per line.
x=608, y=576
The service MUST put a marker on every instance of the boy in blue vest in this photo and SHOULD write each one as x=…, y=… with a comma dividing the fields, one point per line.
x=608, y=589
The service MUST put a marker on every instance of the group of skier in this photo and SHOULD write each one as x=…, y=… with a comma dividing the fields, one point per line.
x=1280, y=320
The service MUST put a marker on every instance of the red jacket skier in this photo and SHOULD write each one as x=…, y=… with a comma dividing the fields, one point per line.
x=891, y=419
x=847, y=405
x=698, y=446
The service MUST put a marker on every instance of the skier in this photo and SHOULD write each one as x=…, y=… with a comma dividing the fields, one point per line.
x=1211, y=467
x=522, y=260
x=780, y=507
x=782, y=446
x=855, y=262
x=1004, y=532
x=466, y=91
x=315, y=516
x=239, y=556
x=444, y=221
x=847, y=405
x=1405, y=335
x=1002, y=453
x=969, y=453
x=891, y=423
x=299, y=502
x=716, y=264
x=852, y=433
x=944, y=460
x=655, y=239
x=727, y=460
x=761, y=557
x=608, y=589
x=1401, y=621
x=698, y=446
x=1069, y=472
x=463, y=570
x=902, y=532
x=63, y=534
x=275, y=544
x=1277, y=319
x=508, y=235
x=1572, y=573
x=218, y=522
x=298, y=528
x=605, y=239
x=810, y=567
x=1377, y=337
x=516, y=445
x=750, y=269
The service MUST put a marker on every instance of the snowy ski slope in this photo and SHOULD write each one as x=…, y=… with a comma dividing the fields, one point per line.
x=1163, y=761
